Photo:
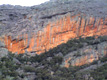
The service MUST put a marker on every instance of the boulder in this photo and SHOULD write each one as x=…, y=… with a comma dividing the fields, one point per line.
x=3, y=50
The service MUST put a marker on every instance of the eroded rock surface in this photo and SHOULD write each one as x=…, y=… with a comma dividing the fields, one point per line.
x=86, y=55
x=3, y=50
x=39, y=28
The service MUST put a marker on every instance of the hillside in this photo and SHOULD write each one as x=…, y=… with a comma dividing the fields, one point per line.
x=40, y=28
x=56, y=40
x=51, y=65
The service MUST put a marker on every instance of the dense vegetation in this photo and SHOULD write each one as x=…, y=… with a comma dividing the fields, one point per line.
x=71, y=45
x=47, y=66
x=100, y=73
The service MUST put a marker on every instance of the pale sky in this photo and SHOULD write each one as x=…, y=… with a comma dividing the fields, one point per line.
x=22, y=2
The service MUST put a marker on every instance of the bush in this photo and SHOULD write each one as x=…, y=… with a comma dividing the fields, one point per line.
x=100, y=73
x=77, y=54
x=104, y=59
x=103, y=38
x=29, y=69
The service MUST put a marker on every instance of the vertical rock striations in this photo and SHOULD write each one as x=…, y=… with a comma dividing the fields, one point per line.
x=57, y=32
x=39, y=28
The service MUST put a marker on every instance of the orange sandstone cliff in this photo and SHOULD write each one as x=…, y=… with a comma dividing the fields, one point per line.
x=58, y=32
x=37, y=29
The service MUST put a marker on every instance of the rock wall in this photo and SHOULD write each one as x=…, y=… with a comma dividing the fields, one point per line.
x=3, y=50
x=87, y=55
x=56, y=33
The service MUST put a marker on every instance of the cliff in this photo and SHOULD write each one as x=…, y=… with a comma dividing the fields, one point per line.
x=37, y=29
x=85, y=55
x=56, y=33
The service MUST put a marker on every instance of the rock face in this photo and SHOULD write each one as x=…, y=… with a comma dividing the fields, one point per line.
x=3, y=50
x=39, y=28
x=86, y=55
x=56, y=33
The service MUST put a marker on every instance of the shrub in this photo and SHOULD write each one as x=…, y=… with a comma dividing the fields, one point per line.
x=29, y=69
x=77, y=54
x=104, y=59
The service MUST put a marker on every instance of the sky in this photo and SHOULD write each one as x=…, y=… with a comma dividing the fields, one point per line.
x=22, y=2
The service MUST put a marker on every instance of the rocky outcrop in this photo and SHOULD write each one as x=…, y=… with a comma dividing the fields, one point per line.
x=3, y=50
x=86, y=55
x=56, y=33
x=39, y=28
